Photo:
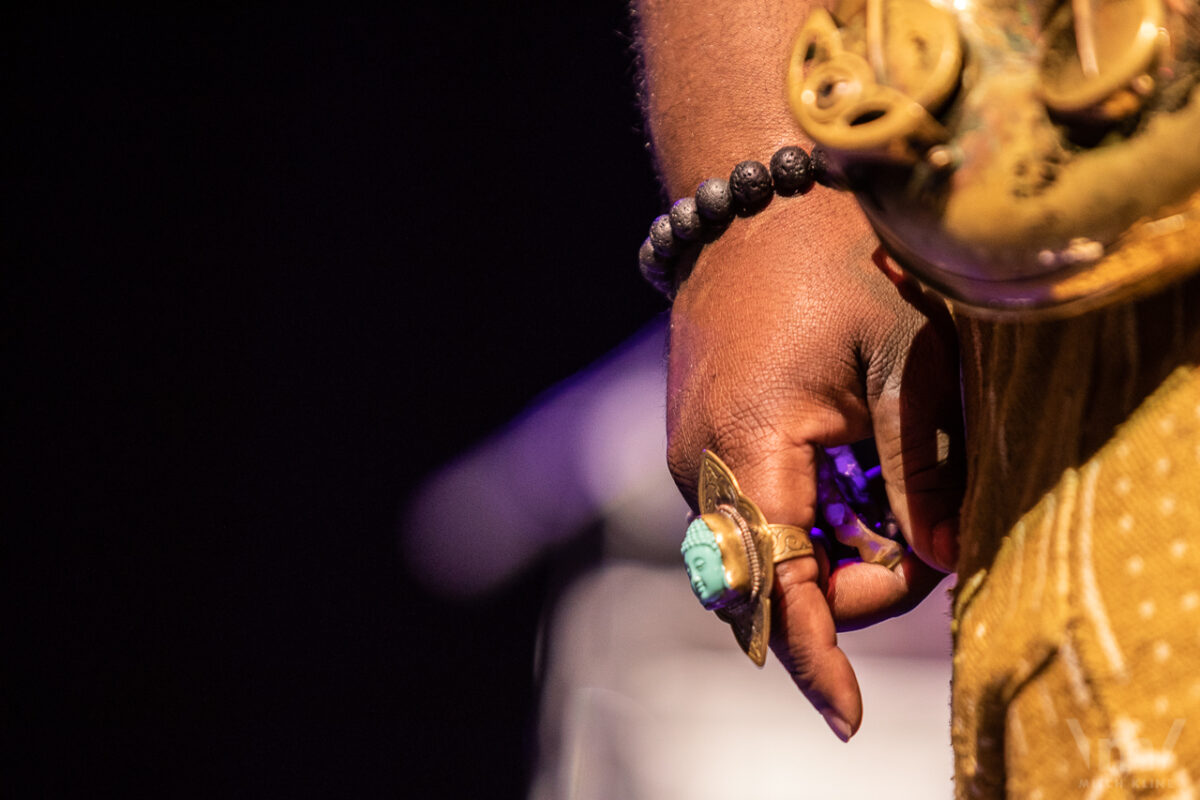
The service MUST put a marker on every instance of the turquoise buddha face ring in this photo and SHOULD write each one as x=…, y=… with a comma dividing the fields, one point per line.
x=730, y=552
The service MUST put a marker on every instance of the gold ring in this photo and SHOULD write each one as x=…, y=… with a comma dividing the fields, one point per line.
x=730, y=552
x=791, y=541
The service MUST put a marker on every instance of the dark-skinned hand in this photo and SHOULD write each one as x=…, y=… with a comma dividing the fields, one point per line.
x=794, y=332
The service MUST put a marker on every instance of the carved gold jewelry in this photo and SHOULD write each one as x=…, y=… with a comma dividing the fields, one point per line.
x=1021, y=159
x=731, y=550
x=878, y=101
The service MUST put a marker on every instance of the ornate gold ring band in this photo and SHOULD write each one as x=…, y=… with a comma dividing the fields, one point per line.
x=730, y=552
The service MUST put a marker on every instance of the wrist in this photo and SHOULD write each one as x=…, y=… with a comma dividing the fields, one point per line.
x=755, y=200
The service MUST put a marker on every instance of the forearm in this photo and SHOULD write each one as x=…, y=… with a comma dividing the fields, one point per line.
x=714, y=83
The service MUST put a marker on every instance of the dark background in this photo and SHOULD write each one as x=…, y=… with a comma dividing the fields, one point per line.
x=265, y=269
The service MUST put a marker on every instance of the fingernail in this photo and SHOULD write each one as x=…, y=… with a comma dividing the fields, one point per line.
x=945, y=544
x=839, y=726
x=835, y=513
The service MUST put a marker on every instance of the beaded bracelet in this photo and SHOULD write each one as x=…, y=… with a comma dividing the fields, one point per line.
x=677, y=236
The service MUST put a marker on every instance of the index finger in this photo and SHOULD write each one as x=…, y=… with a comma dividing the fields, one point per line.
x=808, y=608
x=804, y=639
x=803, y=632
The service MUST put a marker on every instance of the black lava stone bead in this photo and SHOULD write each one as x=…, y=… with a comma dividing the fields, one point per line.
x=750, y=183
x=791, y=170
x=662, y=238
x=685, y=220
x=655, y=269
x=714, y=201
x=823, y=170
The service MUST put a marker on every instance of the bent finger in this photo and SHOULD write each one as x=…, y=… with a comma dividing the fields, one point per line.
x=803, y=633
x=861, y=594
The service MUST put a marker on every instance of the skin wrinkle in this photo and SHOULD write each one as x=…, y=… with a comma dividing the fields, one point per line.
x=756, y=394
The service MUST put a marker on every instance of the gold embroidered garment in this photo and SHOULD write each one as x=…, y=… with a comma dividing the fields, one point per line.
x=1077, y=617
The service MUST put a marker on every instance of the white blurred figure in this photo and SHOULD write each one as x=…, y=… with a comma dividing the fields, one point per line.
x=645, y=695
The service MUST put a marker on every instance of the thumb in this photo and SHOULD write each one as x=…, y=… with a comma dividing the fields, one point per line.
x=915, y=409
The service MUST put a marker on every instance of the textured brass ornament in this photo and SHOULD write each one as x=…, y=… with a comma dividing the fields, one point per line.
x=752, y=565
x=872, y=91
x=1098, y=57
x=1025, y=158
x=790, y=542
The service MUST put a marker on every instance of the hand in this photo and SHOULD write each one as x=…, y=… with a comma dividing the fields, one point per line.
x=789, y=335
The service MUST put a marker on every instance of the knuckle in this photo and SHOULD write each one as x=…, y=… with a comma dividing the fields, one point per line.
x=749, y=449
x=798, y=659
x=684, y=466
x=741, y=444
x=743, y=428
x=803, y=669
x=793, y=640
x=886, y=353
x=914, y=467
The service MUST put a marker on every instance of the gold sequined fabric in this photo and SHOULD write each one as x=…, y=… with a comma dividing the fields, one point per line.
x=1077, y=616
